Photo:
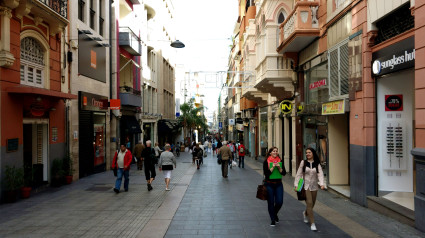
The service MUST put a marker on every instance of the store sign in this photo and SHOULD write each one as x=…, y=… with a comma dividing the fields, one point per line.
x=239, y=127
x=92, y=102
x=231, y=122
x=386, y=61
x=317, y=84
x=336, y=107
x=115, y=104
x=220, y=125
x=394, y=102
x=285, y=106
x=300, y=107
x=12, y=145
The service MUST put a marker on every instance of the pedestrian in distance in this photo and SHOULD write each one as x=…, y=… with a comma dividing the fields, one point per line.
x=226, y=156
x=122, y=161
x=210, y=147
x=232, y=150
x=148, y=156
x=312, y=172
x=274, y=169
x=158, y=152
x=219, y=145
x=165, y=164
x=197, y=154
x=137, y=152
x=241, y=152
x=203, y=152
x=213, y=145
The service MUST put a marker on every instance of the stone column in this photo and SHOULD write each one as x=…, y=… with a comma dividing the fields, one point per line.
x=6, y=58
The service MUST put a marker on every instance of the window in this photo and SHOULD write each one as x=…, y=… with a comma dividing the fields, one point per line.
x=101, y=20
x=92, y=14
x=32, y=62
x=317, y=86
x=281, y=18
x=81, y=4
x=338, y=70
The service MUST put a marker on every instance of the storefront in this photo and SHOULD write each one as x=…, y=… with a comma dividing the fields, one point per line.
x=92, y=133
x=325, y=125
x=393, y=70
x=263, y=135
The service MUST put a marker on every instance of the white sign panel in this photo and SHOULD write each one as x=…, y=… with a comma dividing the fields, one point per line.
x=232, y=122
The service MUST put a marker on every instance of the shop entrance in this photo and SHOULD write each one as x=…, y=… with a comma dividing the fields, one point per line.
x=315, y=136
x=35, y=144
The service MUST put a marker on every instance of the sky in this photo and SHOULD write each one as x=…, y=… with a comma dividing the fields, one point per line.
x=206, y=28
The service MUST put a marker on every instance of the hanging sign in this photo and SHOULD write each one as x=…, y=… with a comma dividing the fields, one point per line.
x=231, y=122
x=336, y=107
x=115, y=104
x=394, y=102
x=239, y=127
x=285, y=106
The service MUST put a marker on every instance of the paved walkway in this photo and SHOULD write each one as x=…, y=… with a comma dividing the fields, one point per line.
x=200, y=204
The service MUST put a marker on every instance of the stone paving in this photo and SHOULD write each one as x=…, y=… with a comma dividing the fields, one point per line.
x=210, y=206
x=89, y=207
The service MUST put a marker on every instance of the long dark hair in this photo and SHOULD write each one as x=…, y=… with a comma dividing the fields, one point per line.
x=269, y=153
x=316, y=160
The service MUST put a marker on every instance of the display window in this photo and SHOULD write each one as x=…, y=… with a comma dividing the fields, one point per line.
x=99, y=138
x=263, y=131
x=317, y=84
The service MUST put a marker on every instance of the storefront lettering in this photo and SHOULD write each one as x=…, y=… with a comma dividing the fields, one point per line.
x=317, y=84
x=385, y=65
x=96, y=103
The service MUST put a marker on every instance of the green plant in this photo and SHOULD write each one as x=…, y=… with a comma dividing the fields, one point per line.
x=67, y=165
x=13, y=178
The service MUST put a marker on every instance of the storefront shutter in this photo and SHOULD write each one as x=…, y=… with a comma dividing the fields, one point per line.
x=39, y=144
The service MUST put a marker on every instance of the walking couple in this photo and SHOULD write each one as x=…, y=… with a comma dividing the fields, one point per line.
x=274, y=169
x=123, y=158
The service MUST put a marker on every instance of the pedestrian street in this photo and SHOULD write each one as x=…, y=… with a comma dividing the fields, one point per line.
x=201, y=203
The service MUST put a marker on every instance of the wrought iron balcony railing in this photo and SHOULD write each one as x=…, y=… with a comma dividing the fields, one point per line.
x=59, y=6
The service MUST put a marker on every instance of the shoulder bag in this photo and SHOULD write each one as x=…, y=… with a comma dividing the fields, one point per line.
x=262, y=191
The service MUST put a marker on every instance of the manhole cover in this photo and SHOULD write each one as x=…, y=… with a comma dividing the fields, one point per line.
x=99, y=188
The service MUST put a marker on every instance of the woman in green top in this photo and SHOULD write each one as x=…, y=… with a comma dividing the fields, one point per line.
x=273, y=167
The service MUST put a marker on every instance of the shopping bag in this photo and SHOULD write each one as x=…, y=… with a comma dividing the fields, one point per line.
x=234, y=163
x=261, y=192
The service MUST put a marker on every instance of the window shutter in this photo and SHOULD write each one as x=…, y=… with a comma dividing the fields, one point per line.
x=39, y=144
x=343, y=55
x=30, y=74
x=333, y=74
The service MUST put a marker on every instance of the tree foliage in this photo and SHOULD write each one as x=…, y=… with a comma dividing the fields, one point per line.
x=192, y=117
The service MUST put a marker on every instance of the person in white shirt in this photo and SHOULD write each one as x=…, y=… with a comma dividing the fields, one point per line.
x=312, y=172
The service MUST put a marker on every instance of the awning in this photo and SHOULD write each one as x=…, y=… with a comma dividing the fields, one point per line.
x=40, y=91
x=131, y=124
x=167, y=125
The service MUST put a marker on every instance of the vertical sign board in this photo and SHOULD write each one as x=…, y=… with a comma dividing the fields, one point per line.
x=220, y=125
x=91, y=58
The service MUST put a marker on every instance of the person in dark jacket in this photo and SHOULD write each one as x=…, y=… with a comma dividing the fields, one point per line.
x=122, y=161
x=274, y=186
x=148, y=155
x=197, y=154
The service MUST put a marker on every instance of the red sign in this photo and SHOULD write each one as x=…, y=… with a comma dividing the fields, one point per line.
x=394, y=102
x=115, y=104
x=317, y=84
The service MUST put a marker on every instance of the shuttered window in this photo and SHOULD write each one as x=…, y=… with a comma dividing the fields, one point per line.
x=32, y=62
x=338, y=70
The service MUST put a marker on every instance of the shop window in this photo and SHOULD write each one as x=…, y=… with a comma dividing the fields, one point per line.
x=338, y=70
x=317, y=84
x=32, y=62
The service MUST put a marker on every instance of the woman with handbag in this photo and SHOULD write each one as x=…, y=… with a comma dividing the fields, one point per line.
x=312, y=173
x=165, y=164
x=274, y=169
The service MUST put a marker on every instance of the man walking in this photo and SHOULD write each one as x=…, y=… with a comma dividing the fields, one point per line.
x=122, y=161
x=241, y=152
x=138, y=148
x=148, y=156
x=226, y=156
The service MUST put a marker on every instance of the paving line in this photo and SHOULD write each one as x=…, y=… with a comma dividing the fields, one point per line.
x=344, y=223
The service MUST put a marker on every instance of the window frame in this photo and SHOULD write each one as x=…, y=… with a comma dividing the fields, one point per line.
x=337, y=48
x=81, y=7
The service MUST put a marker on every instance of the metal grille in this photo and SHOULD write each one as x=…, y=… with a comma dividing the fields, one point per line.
x=32, y=51
x=401, y=20
x=344, y=71
x=59, y=6
x=39, y=144
x=333, y=74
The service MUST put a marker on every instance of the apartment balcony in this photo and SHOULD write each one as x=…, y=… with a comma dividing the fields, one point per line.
x=130, y=97
x=130, y=41
x=252, y=93
x=300, y=28
x=53, y=12
x=274, y=77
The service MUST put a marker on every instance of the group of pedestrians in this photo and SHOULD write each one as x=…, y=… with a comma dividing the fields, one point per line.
x=228, y=153
x=309, y=170
x=146, y=157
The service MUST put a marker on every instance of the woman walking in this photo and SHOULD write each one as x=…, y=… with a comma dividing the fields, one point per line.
x=165, y=164
x=158, y=151
x=312, y=172
x=274, y=169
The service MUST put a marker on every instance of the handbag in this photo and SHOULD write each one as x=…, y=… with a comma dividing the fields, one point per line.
x=167, y=167
x=261, y=192
x=300, y=190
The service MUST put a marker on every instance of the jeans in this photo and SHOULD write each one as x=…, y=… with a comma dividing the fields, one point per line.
x=274, y=198
x=120, y=173
x=242, y=161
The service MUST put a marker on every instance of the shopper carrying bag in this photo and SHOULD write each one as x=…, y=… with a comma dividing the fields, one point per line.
x=312, y=174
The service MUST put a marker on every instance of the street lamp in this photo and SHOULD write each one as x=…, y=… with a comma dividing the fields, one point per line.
x=177, y=44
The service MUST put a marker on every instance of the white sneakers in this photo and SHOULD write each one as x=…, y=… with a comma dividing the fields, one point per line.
x=305, y=217
x=313, y=227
